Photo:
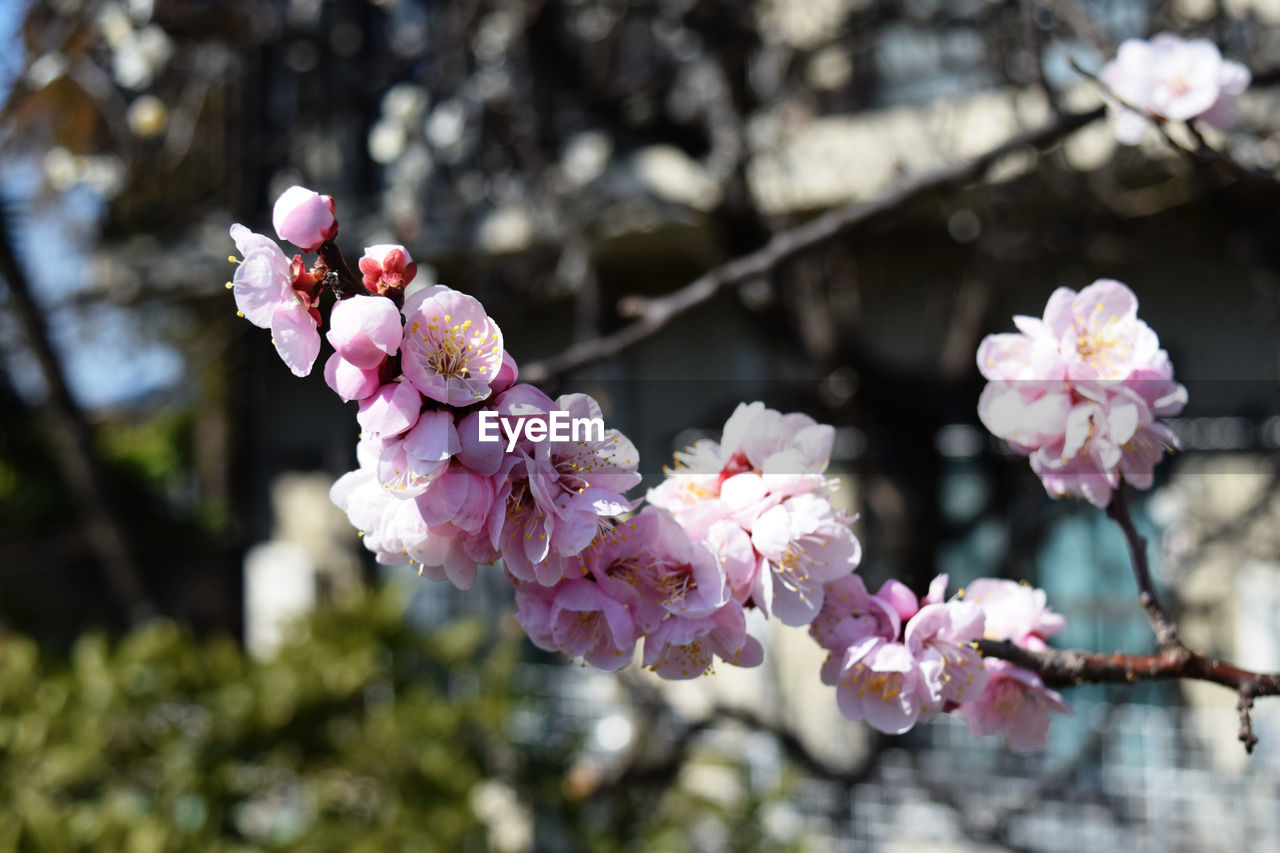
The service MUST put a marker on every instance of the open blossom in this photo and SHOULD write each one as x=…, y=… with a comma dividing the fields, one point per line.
x=789, y=452
x=560, y=493
x=271, y=292
x=1014, y=611
x=881, y=683
x=1079, y=391
x=850, y=614
x=805, y=544
x=1170, y=78
x=896, y=660
x=578, y=618
x=304, y=218
x=452, y=350
x=649, y=563
x=758, y=499
x=387, y=268
x=1014, y=704
x=941, y=636
x=687, y=647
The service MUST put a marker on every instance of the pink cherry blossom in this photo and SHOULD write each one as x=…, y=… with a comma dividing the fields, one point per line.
x=304, y=218
x=561, y=492
x=1170, y=78
x=881, y=683
x=387, y=268
x=682, y=648
x=365, y=330
x=264, y=291
x=940, y=636
x=407, y=465
x=444, y=521
x=1079, y=392
x=451, y=350
x=577, y=618
x=390, y=410
x=850, y=615
x=806, y=544
x=1014, y=611
x=381, y=518
x=648, y=563
x=789, y=452
x=348, y=381
x=1014, y=704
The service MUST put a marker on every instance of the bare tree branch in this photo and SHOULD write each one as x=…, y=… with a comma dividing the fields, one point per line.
x=73, y=448
x=1202, y=154
x=1162, y=623
x=1062, y=668
x=654, y=314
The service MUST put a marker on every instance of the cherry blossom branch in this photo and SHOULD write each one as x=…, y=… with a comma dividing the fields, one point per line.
x=1166, y=630
x=1203, y=152
x=1064, y=668
x=652, y=315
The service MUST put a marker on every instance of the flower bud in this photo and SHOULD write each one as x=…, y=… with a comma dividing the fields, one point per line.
x=348, y=381
x=365, y=330
x=387, y=268
x=305, y=218
x=507, y=374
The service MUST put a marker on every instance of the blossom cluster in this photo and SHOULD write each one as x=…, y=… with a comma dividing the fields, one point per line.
x=594, y=574
x=743, y=522
x=1079, y=391
x=1170, y=78
x=896, y=660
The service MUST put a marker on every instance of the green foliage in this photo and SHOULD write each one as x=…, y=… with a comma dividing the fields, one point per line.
x=348, y=740
x=362, y=734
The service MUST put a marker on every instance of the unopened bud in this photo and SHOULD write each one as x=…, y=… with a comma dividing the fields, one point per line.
x=305, y=218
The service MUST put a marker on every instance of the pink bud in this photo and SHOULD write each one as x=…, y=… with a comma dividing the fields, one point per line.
x=387, y=267
x=390, y=410
x=507, y=374
x=348, y=381
x=900, y=597
x=365, y=329
x=305, y=218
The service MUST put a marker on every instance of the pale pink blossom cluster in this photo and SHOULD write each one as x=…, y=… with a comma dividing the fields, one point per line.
x=759, y=498
x=1079, y=391
x=742, y=522
x=1170, y=78
x=896, y=661
x=1015, y=703
x=593, y=577
x=461, y=466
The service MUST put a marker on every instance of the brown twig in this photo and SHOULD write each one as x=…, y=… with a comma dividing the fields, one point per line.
x=1162, y=624
x=654, y=314
x=1063, y=668
x=344, y=282
x=1174, y=660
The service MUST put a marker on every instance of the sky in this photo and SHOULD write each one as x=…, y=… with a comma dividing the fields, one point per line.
x=106, y=361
